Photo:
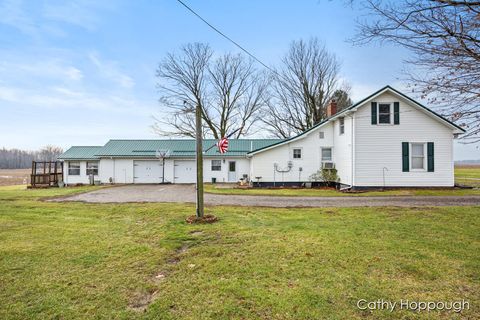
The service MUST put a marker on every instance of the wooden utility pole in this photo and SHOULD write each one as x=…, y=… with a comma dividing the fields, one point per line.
x=199, y=158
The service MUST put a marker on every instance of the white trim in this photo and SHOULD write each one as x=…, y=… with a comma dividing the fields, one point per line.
x=424, y=156
x=340, y=125
x=211, y=165
x=409, y=102
x=331, y=154
x=391, y=112
x=292, y=153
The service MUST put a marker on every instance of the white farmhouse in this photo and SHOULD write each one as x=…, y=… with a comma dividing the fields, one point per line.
x=387, y=139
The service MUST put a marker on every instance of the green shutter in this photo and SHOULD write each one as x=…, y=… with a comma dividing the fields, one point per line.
x=396, y=113
x=374, y=113
x=405, y=157
x=430, y=157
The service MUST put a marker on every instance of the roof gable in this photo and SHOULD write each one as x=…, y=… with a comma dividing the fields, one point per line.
x=355, y=106
x=415, y=103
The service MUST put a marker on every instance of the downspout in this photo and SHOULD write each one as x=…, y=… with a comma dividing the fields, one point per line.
x=352, y=150
x=113, y=170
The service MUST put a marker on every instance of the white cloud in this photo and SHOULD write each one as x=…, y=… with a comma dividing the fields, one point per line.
x=40, y=68
x=111, y=71
x=65, y=98
x=73, y=73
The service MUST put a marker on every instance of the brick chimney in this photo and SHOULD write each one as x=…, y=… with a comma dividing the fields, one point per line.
x=331, y=108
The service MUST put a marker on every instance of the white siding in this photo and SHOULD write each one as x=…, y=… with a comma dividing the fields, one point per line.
x=342, y=150
x=379, y=146
x=121, y=170
x=242, y=167
x=262, y=163
x=105, y=170
x=74, y=179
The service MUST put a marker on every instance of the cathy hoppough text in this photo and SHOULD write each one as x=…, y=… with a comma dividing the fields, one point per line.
x=381, y=304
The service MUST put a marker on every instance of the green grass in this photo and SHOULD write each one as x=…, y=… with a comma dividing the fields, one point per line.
x=77, y=260
x=323, y=192
x=468, y=175
x=463, y=175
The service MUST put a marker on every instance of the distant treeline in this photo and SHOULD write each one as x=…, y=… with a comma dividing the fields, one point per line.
x=21, y=159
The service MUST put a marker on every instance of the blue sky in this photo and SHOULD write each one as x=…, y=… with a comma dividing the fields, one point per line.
x=82, y=72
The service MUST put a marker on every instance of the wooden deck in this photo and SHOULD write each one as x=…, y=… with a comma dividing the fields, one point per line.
x=46, y=174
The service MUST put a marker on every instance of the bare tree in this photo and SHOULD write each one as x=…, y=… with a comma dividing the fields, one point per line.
x=444, y=37
x=229, y=90
x=238, y=93
x=49, y=153
x=20, y=159
x=182, y=88
x=302, y=88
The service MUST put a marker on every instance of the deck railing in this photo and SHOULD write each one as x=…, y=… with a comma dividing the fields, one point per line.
x=46, y=173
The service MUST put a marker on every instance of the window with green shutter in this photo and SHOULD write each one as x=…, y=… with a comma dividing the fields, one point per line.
x=430, y=157
x=374, y=113
x=396, y=113
x=405, y=157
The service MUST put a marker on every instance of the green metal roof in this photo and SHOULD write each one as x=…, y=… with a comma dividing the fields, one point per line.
x=81, y=153
x=177, y=148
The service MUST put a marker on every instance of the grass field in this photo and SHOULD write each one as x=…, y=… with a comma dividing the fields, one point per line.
x=9, y=177
x=468, y=175
x=141, y=261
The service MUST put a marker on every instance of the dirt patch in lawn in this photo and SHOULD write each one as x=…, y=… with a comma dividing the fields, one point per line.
x=208, y=218
x=141, y=301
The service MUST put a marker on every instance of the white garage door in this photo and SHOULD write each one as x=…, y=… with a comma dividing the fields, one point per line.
x=147, y=171
x=184, y=171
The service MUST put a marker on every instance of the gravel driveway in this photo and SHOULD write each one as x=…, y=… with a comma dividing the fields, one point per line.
x=186, y=194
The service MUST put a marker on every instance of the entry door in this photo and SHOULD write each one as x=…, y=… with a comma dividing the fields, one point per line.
x=232, y=171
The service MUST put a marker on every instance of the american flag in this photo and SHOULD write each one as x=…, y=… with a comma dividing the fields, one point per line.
x=223, y=145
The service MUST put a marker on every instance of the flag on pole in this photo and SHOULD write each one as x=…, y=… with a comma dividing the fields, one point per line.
x=223, y=145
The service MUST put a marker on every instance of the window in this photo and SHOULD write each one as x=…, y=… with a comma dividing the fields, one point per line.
x=232, y=166
x=384, y=113
x=92, y=168
x=342, y=125
x=326, y=154
x=74, y=168
x=216, y=165
x=321, y=134
x=418, y=156
x=297, y=153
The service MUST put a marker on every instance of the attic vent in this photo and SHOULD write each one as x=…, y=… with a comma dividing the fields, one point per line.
x=321, y=134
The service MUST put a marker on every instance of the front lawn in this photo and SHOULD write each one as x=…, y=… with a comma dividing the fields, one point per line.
x=330, y=192
x=469, y=176
x=141, y=261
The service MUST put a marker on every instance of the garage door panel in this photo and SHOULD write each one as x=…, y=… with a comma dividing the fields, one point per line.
x=147, y=171
x=185, y=171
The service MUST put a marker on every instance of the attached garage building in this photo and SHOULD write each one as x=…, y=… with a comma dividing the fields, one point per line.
x=136, y=161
